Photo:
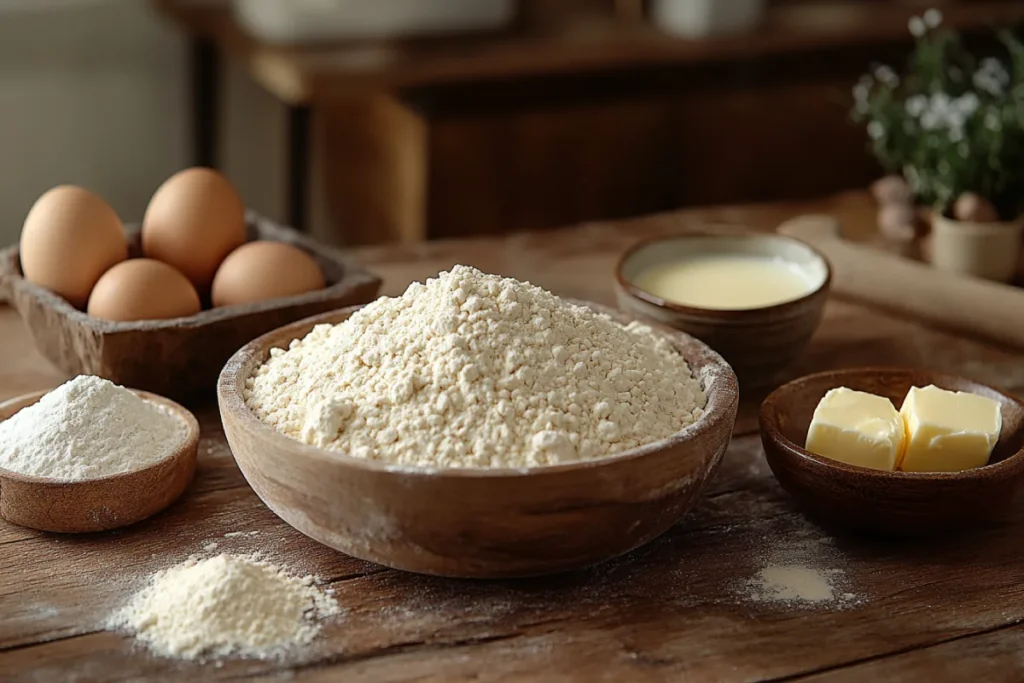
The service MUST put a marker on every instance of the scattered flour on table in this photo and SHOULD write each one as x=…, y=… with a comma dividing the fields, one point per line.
x=228, y=605
x=237, y=534
x=475, y=370
x=793, y=583
x=799, y=570
x=85, y=429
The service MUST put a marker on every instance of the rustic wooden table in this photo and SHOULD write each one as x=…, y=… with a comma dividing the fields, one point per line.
x=948, y=609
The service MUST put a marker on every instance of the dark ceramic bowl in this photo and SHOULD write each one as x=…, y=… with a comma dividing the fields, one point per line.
x=757, y=342
x=896, y=503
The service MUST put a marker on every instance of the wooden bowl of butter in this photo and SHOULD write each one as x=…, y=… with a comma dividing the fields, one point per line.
x=756, y=298
x=415, y=503
x=895, y=451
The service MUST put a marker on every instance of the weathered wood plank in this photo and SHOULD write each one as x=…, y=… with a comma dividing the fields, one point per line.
x=677, y=608
x=993, y=656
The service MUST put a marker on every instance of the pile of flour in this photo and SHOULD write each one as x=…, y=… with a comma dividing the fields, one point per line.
x=85, y=429
x=228, y=605
x=794, y=583
x=475, y=370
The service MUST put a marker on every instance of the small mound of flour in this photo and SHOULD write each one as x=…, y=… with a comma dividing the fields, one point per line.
x=228, y=605
x=85, y=429
x=475, y=370
x=794, y=583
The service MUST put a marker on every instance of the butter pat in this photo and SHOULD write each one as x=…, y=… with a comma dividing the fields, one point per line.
x=857, y=428
x=948, y=431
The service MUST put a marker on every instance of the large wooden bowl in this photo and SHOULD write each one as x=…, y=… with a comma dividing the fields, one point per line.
x=479, y=523
x=104, y=503
x=890, y=503
x=180, y=357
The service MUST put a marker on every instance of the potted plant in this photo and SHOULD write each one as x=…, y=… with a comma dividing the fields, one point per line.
x=951, y=127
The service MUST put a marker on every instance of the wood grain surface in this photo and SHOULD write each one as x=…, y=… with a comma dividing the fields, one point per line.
x=676, y=609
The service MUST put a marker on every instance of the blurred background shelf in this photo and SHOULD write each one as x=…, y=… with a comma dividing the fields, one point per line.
x=579, y=110
x=562, y=37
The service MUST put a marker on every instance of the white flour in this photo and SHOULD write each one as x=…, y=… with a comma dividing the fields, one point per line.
x=475, y=370
x=794, y=583
x=223, y=606
x=85, y=429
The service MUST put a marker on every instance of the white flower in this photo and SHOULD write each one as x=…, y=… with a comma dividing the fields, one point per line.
x=955, y=119
x=910, y=173
x=963, y=149
x=876, y=130
x=930, y=120
x=887, y=76
x=916, y=26
x=932, y=18
x=916, y=105
x=991, y=77
x=956, y=134
x=966, y=104
x=992, y=121
x=861, y=92
x=995, y=67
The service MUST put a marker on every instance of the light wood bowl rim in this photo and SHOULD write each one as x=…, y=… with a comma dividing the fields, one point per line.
x=717, y=232
x=187, y=449
x=721, y=393
x=1006, y=467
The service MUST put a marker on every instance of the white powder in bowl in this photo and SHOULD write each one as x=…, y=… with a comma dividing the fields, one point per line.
x=228, y=605
x=85, y=429
x=475, y=370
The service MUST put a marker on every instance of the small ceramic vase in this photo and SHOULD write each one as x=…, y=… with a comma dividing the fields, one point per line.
x=988, y=250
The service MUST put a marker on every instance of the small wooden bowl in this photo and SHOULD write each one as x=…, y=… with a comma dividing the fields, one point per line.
x=478, y=523
x=98, y=504
x=894, y=503
x=180, y=357
x=757, y=342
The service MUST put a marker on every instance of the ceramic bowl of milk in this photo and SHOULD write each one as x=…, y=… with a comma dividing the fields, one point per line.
x=755, y=298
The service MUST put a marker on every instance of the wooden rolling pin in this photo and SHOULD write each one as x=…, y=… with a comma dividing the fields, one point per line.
x=960, y=303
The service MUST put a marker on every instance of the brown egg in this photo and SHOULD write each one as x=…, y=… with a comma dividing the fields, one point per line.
x=194, y=220
x=143, y=289
x=892, y=189
x=265, y=270
x=973, y=207
x=897, y=222
x=70, y=238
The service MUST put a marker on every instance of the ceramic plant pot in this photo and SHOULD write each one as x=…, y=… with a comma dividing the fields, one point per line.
x=987, y=250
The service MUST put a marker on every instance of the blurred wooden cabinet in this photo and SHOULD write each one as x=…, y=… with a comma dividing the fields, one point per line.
x=574, y=117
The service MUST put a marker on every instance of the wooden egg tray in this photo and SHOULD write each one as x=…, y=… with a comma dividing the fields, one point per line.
x=180, y=357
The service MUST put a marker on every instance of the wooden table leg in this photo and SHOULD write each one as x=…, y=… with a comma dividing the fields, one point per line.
x=375, y=166
x=298, y=167
x=204, y=64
